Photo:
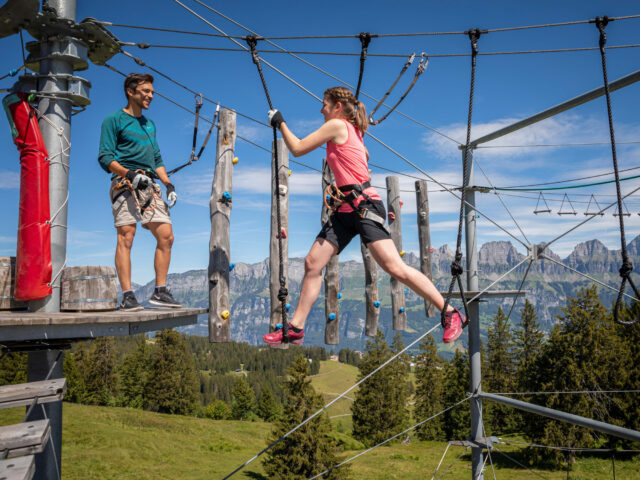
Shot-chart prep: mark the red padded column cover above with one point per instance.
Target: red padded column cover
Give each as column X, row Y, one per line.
column 33, row 256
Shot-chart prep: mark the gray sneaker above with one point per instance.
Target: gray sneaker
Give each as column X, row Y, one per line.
column 129, row 303
column 163, row 298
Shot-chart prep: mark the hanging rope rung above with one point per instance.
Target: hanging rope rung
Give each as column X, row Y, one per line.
column 567, row 212
column 538, row 210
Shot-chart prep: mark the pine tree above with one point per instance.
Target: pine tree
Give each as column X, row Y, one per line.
column 133, row 375
column 268, row 408
column 243, row 402
column 627, row 406
column 218, row 410
column 172, row 383
column 581, row 354
column 401, row 386
column 379, row 407
column 457, row 420
column 98, row 371
column 76, row 390
column 13, row 368
column 429, row 390
column 499, row 375
column 309, row 450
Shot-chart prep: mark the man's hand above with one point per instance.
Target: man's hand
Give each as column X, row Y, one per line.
column 139, row 181
column 275, row 118
column 172, row 196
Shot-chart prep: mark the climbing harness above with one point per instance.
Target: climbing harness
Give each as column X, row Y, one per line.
column 335, row 196
column 365, row 39
column 422, row 66
column 567, row 212
column 283, row 293
column 599, row 208
column 627, row 267
column 125, row 190
column 456, row 265
column 193, row 157
column 538, row 210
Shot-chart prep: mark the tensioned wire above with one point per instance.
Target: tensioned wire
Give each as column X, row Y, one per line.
column 378, row 35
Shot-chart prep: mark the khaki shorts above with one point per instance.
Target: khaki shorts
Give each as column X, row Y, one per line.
column 127, row 212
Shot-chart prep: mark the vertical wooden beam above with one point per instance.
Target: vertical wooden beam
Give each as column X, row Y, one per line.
column 219, row 245
column 398, row 307
column 274, row 256
column 424, row 237
column 331, row 274
column 371, row 291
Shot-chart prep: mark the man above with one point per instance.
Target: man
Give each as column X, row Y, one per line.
column 129, row 150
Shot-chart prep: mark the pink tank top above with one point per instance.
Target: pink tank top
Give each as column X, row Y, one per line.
column 348, row 162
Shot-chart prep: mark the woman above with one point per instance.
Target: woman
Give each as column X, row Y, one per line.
column 345, row 121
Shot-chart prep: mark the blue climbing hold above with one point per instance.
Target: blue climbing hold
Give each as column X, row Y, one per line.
column 231, row 266
column 378, row 283
column 332, row 316
column 278, row 326
column 406, row 291
column 287, row 307
column 401, row 309
column 339, row 295
column 376, row 304
column 226, row 195
column 328, row 197
column 13, row 72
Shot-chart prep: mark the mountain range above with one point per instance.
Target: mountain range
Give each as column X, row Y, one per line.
column 547, row 287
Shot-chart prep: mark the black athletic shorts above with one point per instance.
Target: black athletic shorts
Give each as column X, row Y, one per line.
column 343, row 226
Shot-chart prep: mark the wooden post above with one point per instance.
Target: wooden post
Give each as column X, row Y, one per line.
column 424, row 236
column 274, row 257
column 398, row 307
column 371, row 291
column 219, row 248
column 331, row 274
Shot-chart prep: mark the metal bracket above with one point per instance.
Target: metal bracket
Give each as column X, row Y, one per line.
column 67, row 49
column 77, row 88
column 16, row 15
column 482, row 442
column 535, row 251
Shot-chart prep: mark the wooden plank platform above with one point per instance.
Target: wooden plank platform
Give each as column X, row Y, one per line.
column 22, row 325
column 23, row 394
column 22, row 468
column 25, row 438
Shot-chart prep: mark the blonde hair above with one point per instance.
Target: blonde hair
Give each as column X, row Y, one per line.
column 354, row 111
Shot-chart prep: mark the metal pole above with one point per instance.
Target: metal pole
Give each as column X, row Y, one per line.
column 477, row 459
column 603, row 427
column 49, row 462
column 574, row 102
column 56, row 133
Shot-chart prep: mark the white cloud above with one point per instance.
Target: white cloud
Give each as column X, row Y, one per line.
column 9, row 180
column 252, row 132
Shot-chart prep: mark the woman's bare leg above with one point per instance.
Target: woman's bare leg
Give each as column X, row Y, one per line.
column 317, row 258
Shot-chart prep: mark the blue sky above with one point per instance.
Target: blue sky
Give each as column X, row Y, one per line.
column 508, row 87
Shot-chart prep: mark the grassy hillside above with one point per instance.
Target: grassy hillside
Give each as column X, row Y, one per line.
column 118, row 443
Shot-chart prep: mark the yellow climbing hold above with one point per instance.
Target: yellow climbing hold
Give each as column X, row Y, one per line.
column 225, row 314
column 235, row 160
column 289, row 172
column 402, row 253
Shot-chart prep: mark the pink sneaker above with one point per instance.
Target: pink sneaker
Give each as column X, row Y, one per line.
column 453, row 321
column 275, row 337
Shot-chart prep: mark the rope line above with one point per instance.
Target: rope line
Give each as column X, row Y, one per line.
column 627, row 267
column 572, row 179
column 357, row 384
column 569, row 187
column 574, row 392
column 365, row 39
column 388, row 439
column 585, row 144
column 379, row 35
column 456, row 265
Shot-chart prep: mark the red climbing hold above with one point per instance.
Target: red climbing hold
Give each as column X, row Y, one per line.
column 392, row 216
column 282, row 234
column 431, row 249
column 401, row 203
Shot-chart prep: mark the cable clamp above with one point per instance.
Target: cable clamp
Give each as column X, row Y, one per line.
column 601, row 24
column 252, row 41
column 474, row 35
column 365, row 40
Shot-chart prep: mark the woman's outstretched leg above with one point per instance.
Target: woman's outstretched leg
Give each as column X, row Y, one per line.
column 319, row 255
column 386, row 255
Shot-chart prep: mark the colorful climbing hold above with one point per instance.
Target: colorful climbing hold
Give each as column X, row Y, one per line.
column 289, row 172
column 278, row 326
column 401, row 309
column 225, row 314
column 287, row 307
column 401, row 203
column 226, row 196
column 431, row 249
column 339, row 295
column 231, row 266
column 332, row 316
column 402, row 253
column 406, row 291
column 282, row 234
column 376, row 304
column 235, row 160
column 392, row 216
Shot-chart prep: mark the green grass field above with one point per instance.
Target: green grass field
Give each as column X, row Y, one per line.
column 119, row 443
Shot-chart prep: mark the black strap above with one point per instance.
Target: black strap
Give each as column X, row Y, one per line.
column 365, row 39
column 424, row 61
column 283, row 293
column 456, row 265
column 627, row 267
column 358, row 187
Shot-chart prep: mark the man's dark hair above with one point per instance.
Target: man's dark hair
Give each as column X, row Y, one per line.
column 134, row 79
